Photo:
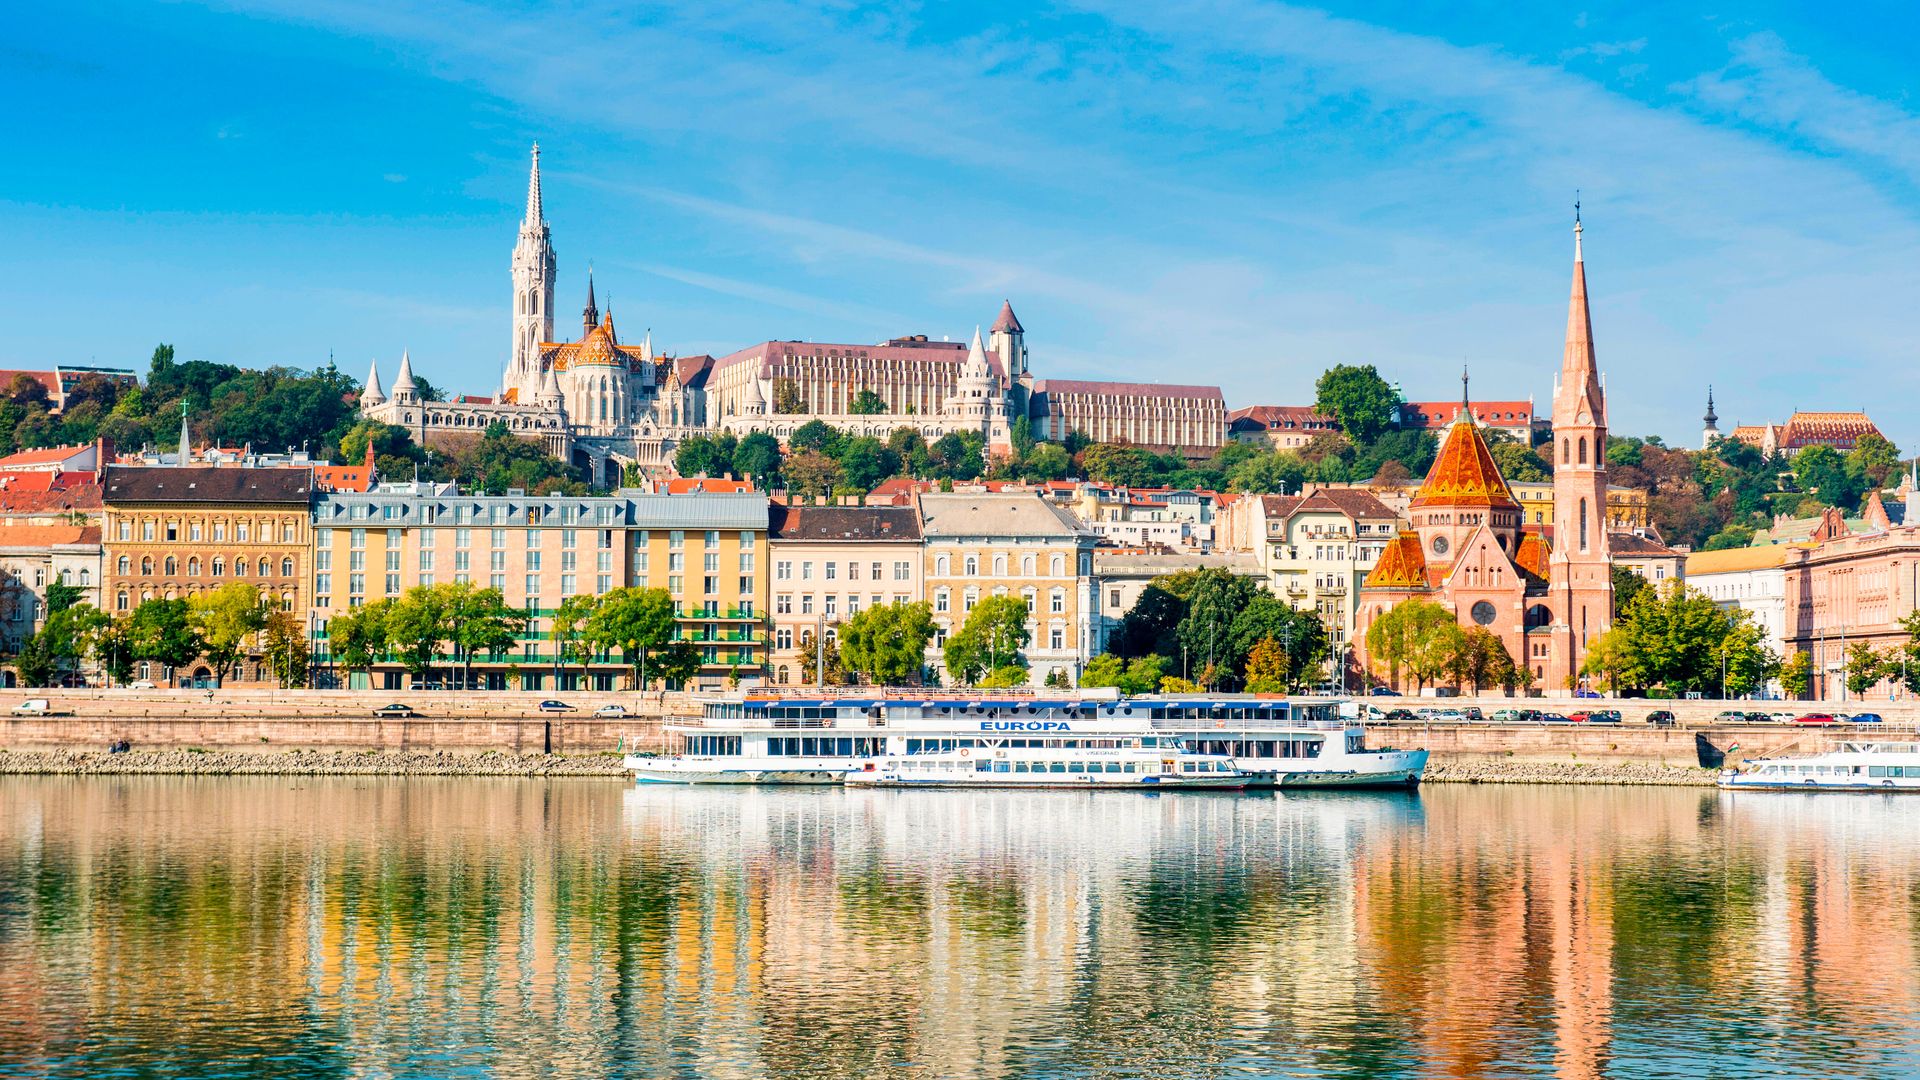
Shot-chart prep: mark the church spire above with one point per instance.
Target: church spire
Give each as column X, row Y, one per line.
column 370, row 394
column 536, row 214
column 186, row 438
column 1579, row 371
column 591, row 316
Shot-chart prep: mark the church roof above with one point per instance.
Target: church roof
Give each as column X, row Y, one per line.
column 1531, row 555
column 1464, row 474
column 599, row 348
column 1840, row 430
column 1279, row 417
column 1402, row 565
column 1007, row 322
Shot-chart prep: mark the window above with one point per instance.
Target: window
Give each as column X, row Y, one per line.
column 830, row 569
column 940, row 600
column 677, row 539
column 711, row 584
column 146, row 530
column 1057, row 602
column 710, row 561
column 783, row 570
column 1000, row 565
column 533, row 562
column 746, row 541
column 1058, row 566
column 828, row 605
column 783, row 604
column 393, row 557
column 146, row 567
column 873, row 571
column 902, row 571
column 569, row 561
column 357, row 539
column 126, row 565
column 1027, row 565
column 569, row 585
column 806, row 603
column 1056, row 638
column 357, row 584
column 239, row 568
column 567, row 539
column 676, row 561
column 193, row 530
column 973, row 566
column 126, row 530
column 533, row 587
column 120, row 602
column 393, row 584
column 1583, row 449
column 746, row 589
column 497, row 538
column 713, row 538
column 941, row 565
column 219, row 530
column 783, row 638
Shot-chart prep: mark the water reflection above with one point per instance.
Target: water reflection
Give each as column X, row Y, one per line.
column 272, row 927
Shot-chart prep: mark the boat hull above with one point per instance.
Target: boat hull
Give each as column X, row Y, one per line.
column 669, row 770
column 1143, row 783
column 1870, row 787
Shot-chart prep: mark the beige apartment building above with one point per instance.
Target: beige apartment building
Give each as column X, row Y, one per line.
column 707, row 549
column 977, row 545
column 830, row 563
column 1316, row 549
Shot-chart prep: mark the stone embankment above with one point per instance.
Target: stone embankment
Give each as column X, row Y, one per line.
column 1632, row 773
column 193, row 762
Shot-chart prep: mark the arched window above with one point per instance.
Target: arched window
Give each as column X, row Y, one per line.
column 942, row 566
column 1566, row 450
column 999, row 566
column 239, row 568
column 146, row 567
column 1583, row 524
column 286, row 567
column 973, row 565
column 219, row 566
column 193, row 566
column 1026, row 565
column 86, row 577
column 126, row 565
column 266, row 566
column 1057, row 566
column 1583, row 449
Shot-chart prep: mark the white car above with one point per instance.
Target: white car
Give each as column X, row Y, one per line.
column 611, row 710
column 142, row 684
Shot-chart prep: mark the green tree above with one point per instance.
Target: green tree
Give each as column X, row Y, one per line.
column 61, row 596
column 1872, row 460
column 1820, row 471
column 1114, row 463
column 957, row 456
column 817, row 436
column 994, row 636
column 1141, row 675
column 677, row 663
column 1267, row 668
column 822, row 659
column 1796, row 675
column 478, row 621
column 865, row 461
column 1277, row 473
column 1004, row 678
column 1047, row 461
column 417, row 626
column 1483, row 661
column 568, row 626
column 706, row 455
column 1864, row 668
column 636, row 621
column 886, row 644
column 161, row 632
column 1416, row 635
column 69, row 634
column 226, row 621
column 34, row 665
column 1734, row 535
column 1627, row 584
column 1359, row 399
column 1519, row 464
column 112, row 648
column 357, row 637
column 758, row 457
column 287, row 652
column 867, row 403
column 1749, row 663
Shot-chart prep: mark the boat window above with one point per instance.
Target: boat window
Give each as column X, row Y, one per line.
column 1057, row 767
column 1876, row 770
column 1895, row 770
column 1113, row 767
column 1076, row 767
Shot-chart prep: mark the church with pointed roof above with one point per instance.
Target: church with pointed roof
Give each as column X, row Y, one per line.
column 1468, row 549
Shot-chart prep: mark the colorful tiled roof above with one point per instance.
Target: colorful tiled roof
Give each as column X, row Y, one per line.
column 1402, row 565
column 1531, row 555
column 1007, row 322
column 1464, row 474
column 1840, row 430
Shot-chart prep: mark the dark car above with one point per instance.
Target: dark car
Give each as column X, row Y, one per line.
column 1816, row 718
column 1586, row 693
column 1866, row 718
column 395, row 710
column 1553, row 718
column 1382, row 691
column 1660, row 718
column 551, row 705
column 1398, row 716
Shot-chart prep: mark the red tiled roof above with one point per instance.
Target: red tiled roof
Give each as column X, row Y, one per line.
column 31, row 501
column 1439, row 414
column 1402, row 565
column 1286, row 417
column 710, row 485
column 46, row 379
column 1354, row 502
column 1007, row 322
column 1464, row 474
column 40, row 536
column 1840, row 430
column 52, row 455
column 1531, row 555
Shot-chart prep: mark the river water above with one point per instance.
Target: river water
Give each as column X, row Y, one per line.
column 301, row 927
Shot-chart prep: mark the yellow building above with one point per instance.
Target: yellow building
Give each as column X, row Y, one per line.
column 978, row 545
column 706, row 549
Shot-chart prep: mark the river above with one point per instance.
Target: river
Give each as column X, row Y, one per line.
column 313, row 927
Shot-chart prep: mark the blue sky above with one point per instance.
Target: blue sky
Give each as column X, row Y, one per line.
column 1222, row 192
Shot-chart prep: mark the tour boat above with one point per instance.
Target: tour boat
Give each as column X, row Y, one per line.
column 1055, row 763
column 813, row 738
column 1856, row 766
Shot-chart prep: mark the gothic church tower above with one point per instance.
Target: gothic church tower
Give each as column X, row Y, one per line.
column 1579, row 569
column 533, row 272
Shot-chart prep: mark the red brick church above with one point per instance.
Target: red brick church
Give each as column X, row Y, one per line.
column 1469, row 551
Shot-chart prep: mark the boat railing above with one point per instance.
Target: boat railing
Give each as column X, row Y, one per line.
column 1245, row 723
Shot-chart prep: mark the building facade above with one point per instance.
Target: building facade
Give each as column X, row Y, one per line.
column 830, row 563
column 33, row 557
column 708, row 551
column 174, row 533
column 1123, row 574
column 978, row 545
column 1315, row 550
column 1279, row 427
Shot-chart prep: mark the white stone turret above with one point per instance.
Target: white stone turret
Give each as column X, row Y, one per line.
column 370, row 394
column 977, row 397
column 405, row 391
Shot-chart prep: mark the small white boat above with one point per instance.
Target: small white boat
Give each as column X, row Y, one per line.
column 1054, row 764
column 1856, row 766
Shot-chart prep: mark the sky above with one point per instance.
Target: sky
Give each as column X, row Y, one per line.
column 1222, row 192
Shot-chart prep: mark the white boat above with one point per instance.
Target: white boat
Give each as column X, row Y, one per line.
column 1856, row 766
column 1141, row 763
column 762, row 738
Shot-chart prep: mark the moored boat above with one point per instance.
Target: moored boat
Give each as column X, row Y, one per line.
column 1856, row 766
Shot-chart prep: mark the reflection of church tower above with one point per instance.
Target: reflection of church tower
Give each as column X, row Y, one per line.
column 533, row 269
column 1579, row 567
column 1712, row 430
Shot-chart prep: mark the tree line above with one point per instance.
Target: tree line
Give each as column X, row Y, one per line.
column 217, row 628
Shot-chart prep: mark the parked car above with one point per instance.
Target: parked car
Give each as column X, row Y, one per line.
column 550, row 705
column 611, row 710
column 1382, row 691
column 33, row 706
column 395, row 710
column 1866, row 718
column 1553, row 718
column 1586, row 693
column 1733, row 716
column 1398, row 716
column 1816, row 718
column 1663, row 718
